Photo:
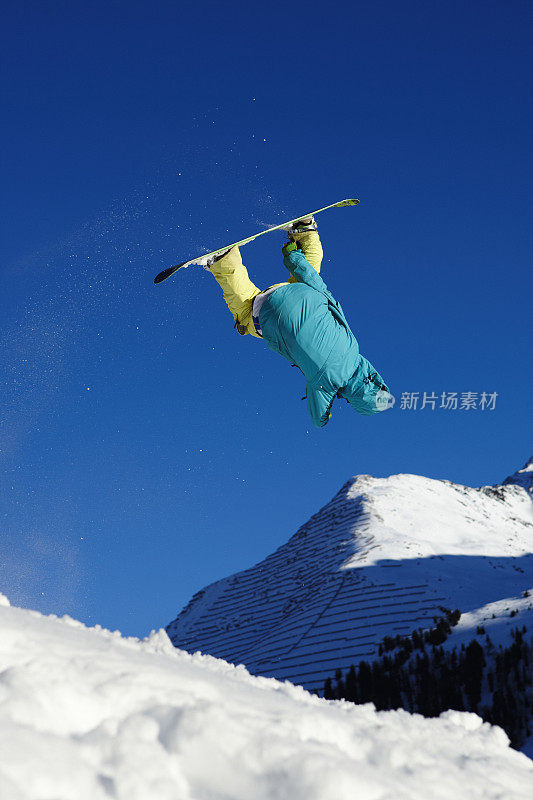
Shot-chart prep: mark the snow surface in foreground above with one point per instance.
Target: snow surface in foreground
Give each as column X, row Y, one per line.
column 88, row 715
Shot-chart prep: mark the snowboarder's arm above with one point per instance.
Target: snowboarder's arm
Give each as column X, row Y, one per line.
column 299, row 266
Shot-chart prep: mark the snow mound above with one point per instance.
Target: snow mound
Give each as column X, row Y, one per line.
column 86, row 714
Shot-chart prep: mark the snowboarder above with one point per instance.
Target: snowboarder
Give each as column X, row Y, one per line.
column 301, row 320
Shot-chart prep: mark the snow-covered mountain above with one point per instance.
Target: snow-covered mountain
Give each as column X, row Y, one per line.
column 88, row 715
column 382, row 558
column 522, row 477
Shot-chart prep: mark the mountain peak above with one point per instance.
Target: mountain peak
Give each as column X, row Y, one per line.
column 382, row 558
column 522, row 477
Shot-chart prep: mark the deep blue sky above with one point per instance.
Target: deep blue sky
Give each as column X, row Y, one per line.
column 145, row 448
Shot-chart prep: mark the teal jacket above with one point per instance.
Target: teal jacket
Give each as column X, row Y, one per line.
column 304, row 323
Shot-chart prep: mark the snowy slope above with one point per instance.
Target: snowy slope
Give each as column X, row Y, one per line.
column 380, row 559
column 88, row 715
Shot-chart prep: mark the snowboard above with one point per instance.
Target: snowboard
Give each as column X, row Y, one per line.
column 166, row 273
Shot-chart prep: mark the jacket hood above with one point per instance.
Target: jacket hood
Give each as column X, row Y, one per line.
column 366, row 391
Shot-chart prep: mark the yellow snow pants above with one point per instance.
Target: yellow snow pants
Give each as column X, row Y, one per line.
column 238, row 289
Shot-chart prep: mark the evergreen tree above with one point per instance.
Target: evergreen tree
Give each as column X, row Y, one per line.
column 364, row 680
column 339, row 685
column 473, row 673
column 350, row 686
column 431, row 681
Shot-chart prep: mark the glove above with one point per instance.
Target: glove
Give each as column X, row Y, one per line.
column 289, row 247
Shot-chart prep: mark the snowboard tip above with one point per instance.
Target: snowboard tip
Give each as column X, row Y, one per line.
column 168, row 272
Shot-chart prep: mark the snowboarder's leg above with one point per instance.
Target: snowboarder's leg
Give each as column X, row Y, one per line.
column 310, row 245
column 237, row 288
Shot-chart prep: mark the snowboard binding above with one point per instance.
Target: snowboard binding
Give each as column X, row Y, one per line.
column 210, row 261
column 301, row 226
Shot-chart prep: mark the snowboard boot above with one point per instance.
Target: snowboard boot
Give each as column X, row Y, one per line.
column 213, row 259
column 301, row 226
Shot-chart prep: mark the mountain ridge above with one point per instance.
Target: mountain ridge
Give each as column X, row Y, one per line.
column 382, row 558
